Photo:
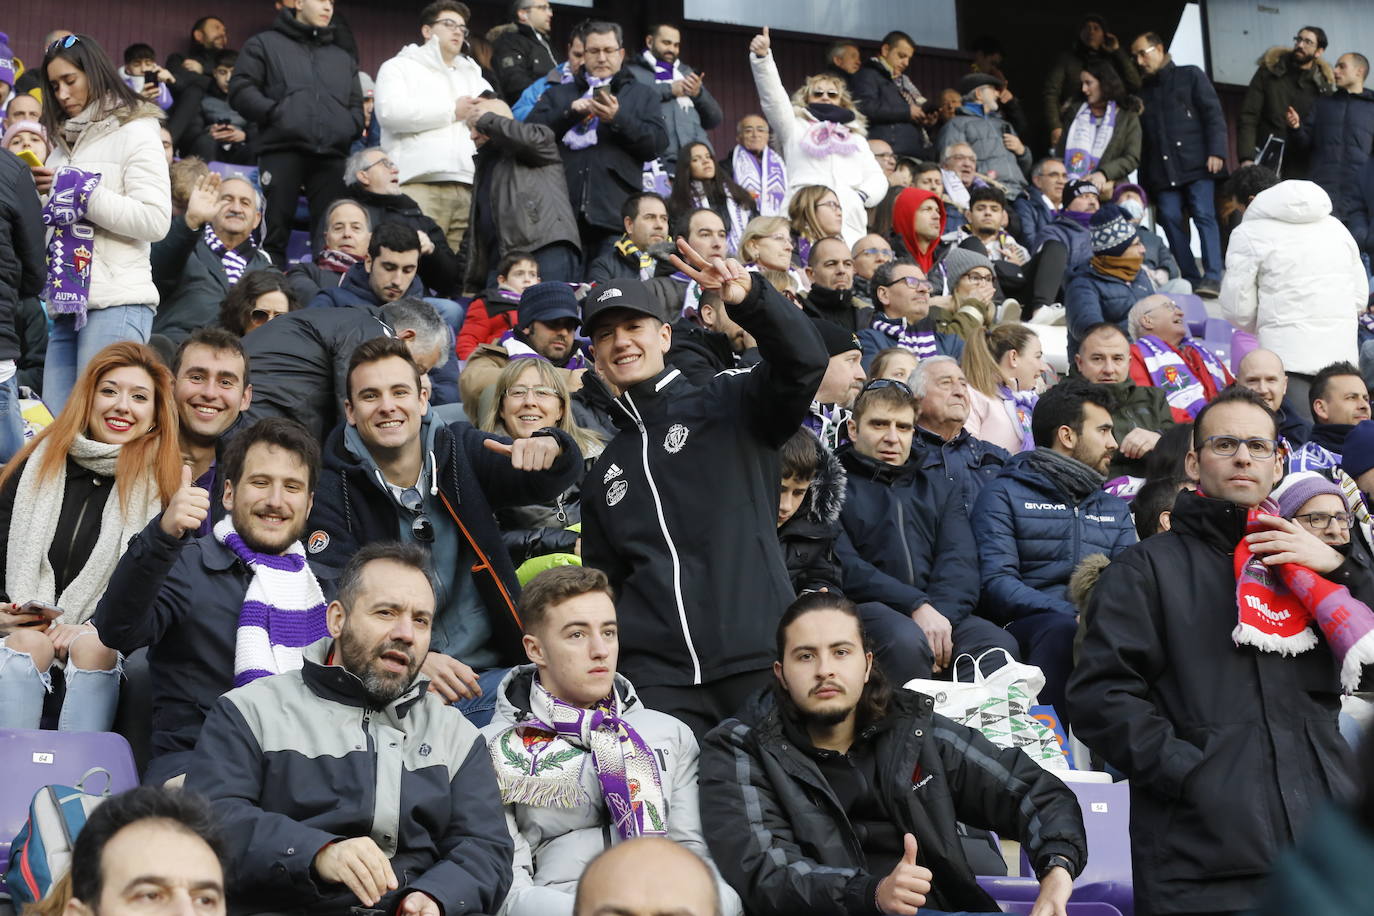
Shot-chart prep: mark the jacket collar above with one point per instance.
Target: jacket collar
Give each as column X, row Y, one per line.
column 644, row 398
column 357, row 282
column 1330, row 436
column 863, row 467
column 293, row 28
column 513, row 695
column 214, row 555
column 331, row 681
column 1216, row 522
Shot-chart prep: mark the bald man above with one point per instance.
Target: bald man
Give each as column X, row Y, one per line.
column 1262, row 372
column 648, row 876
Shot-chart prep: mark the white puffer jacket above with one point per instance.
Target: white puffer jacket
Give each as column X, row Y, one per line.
column 416, row 95
column 856, row 178
column 1294, row 278
column 554, row 845
column 131, row 207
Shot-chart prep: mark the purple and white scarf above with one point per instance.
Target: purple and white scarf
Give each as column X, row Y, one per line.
column 539, row 762
column 1087, row 139
column 518, row 349
column 582, row 135
column 71, row 249
column 824, row 139
column 234, row 264
column 1019, row 406
column 739, row 217
column 667, row 73
column 922, row 343
column 765, row 177
column 283, row 609
column 1170, row 374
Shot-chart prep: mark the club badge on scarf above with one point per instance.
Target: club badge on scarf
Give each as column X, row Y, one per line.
column 72, row 245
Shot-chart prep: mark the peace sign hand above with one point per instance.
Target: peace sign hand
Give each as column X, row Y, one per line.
column 724, row 274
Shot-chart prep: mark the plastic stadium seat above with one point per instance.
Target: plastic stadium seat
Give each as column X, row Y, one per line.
column 230, row 170
column 1242, row 342
column 298, row 247
column 1194, row 311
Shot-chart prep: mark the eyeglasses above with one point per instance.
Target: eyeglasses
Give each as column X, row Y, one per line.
column 1320, row 521
column 382, row 161
column 63, row 43
column 1227, row 446
column 781, row 239
column 453, row 25
column 601, row 52
column 877, row 383
column 880, row 253
column 833, row 204
column 421, row 527
column 978, row 277
column 543, row 392
column 916, row 283
column 1299, row 40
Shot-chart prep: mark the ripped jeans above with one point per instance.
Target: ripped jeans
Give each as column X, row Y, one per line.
column 87, row 706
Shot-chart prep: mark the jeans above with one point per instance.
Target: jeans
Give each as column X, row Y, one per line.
column 88, row 706
column 479, row 709
column 69, row 350
column 11, row 422
column 1201, row 204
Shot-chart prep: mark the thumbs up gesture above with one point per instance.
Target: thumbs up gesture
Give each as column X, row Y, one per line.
column 189, row 506
column 904, row 890
column 761, row 43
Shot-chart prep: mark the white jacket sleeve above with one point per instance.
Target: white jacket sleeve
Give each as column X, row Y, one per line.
column 684, row 815
column 525, row 897
column 144, row 210
column 402, row 108
column 1359, row 281
column 871, row 183
column 1239, row 298
column 777, row 107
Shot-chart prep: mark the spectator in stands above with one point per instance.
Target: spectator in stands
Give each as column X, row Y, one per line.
column 815, row 213
column 424, row 96
column 212, row 389
column 942, row 443
column 522, row 51
column 645, row 219
column 1005, row 369
column 1163, row 692
column 140, row 62
column 565, row 71
column 1338, row 133
column 644, row 876
column 23, row 268
column 108, row 152
column 255, row 300
column 687, row 106
column 300, row 360
column 1139, row 412
column 1071, row 227
column 672, row 291
column 520, row 198
column 390, row 272
column 603, row 167
column 906, row 549
column 970, row 290
column 1183, row 144
column 901, row 317
column 1094, row 43
column 1102, row 128
column 302, row 137
column 676, row 651
column 757, row 167
column 831, row 270
column 1338, row 399
column 1285, row 78
column 843, row 60
column 193, row 78
column 1319, row 506
column 560, row 823
column 710, row 343
column 1159, row 260
column 890, row 100
column 372, row 180
column 1001, row 154
column 704, row 184
column 347, row 235
column 263, row 757
column 23, row 107
column 1043, row 514
column 221, row 132
column 1043, row 199
column 148, row 842
column 832, row 715
column 64, row 535
column 1262, row 372
column 1112, row 282
column 1166, row 356
column 870, row 252
column 822, row 136
column 205, row 254
column 810, row 496
column 844, row 378
column 918, row 219
column 1035, row 280
column 767, row 247
column 546, row 330
column 496, row 311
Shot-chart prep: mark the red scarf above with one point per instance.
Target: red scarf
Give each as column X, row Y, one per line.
column 904, row 220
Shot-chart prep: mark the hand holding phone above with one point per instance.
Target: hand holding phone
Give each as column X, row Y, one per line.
column 30, row 158
column 48, row 611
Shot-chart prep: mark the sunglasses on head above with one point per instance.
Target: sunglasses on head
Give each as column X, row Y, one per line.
column 63, row 43
column 877, row 383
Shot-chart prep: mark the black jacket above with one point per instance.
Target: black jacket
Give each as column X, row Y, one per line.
column 1181, row 126
column 782, row 839
column 808, row 537
column 23, row 257
column 1339, row 135
column 680, row 511
column 1229, row 750
column 600, row 177
column 838, row 306
column 191, row 280
column 182, row 598
column 702, row 354
column 31, row 328
column 520, row 56
column 1278, row 84
column 300, row 363
column 440, row 270
column 887, row 111
column 308, row 279
column 615, row 263
column 906, row 539
column 299, row 89
column 78, row 523
column 965, row 461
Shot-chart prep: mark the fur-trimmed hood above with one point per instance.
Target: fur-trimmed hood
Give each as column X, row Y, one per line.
column 1276, row 61
column 825, row 499
column 1084, row 579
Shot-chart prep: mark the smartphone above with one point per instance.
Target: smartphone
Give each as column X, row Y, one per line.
column 603, row 95
column 223, row 122
column 51, row 612
column 30, row 159
column 149, row 77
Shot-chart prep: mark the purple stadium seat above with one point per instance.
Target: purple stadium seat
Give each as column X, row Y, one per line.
column 31, row 760
column 1194, row 312
column 228, row 169
column 298, row 247
column 1242, row 342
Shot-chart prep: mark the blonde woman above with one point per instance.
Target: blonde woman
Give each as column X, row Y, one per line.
column 766, row 246
column 1005, row 370
column 815, row 213
column 822, row 136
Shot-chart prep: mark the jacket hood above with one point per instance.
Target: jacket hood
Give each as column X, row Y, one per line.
column 294, row 29
column 1291, row 201
column 513, row 695
column 428, row 55
column 904, row 217
column 1278, row 59
column 825, row 500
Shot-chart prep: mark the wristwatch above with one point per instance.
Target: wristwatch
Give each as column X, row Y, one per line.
column 1051, row 862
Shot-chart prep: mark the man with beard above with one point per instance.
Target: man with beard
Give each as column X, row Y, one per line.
column 1140, row 413
column 213, row 609
column 423, row 832
column 687, row 106
column 811, row 807
column 390, row 272
column 546, row 328
column 211, row 388
column 1041, row 516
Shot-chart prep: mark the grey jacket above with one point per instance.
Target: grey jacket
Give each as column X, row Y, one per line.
column 191, row 281
column 984, row 133
column 685, row 123
column 554, row 845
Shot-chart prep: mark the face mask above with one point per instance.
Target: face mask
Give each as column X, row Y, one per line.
column 1134, row 209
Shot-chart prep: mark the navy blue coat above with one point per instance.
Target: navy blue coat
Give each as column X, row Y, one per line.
column 1181, row 126
column 1076, row 237
column 354, row 289
column 1031, row 213
column 965, row 461
column 1031, row 537
column 1339, row 133
column 906, row 539
column 887, row 111
column 1360, row 216
column 1091, row 297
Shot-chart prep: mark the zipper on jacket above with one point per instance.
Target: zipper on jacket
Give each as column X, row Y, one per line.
column 906, row 549
column 76, row 528
column 633, row 411
column 1077, row 540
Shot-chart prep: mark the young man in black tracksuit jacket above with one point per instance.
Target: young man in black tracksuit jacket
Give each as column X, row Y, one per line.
column 680, row 510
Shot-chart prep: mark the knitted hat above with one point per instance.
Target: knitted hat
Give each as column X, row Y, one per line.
column 1357, row 455
column 548, row 302
column 365, row 83
column 23, row 127
column 1301, row 487
column 1075, row 188
column 6, row 61
column 959, row 261
column 838, row 341
column 1112, row 230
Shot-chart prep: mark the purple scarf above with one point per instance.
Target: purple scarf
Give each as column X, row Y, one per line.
column 234, row 264
column 72, row 246
column 516, row 348
column 1019, row 405
column 764, row 177
column 583, row 134
column 1172, row 375
column 922, row 343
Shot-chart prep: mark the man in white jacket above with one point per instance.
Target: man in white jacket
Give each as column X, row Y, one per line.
column 1294, row 279
column 581, row 763
column 424, row 96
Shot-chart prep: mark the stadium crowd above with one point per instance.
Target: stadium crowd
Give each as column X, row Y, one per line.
column 510, row 503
